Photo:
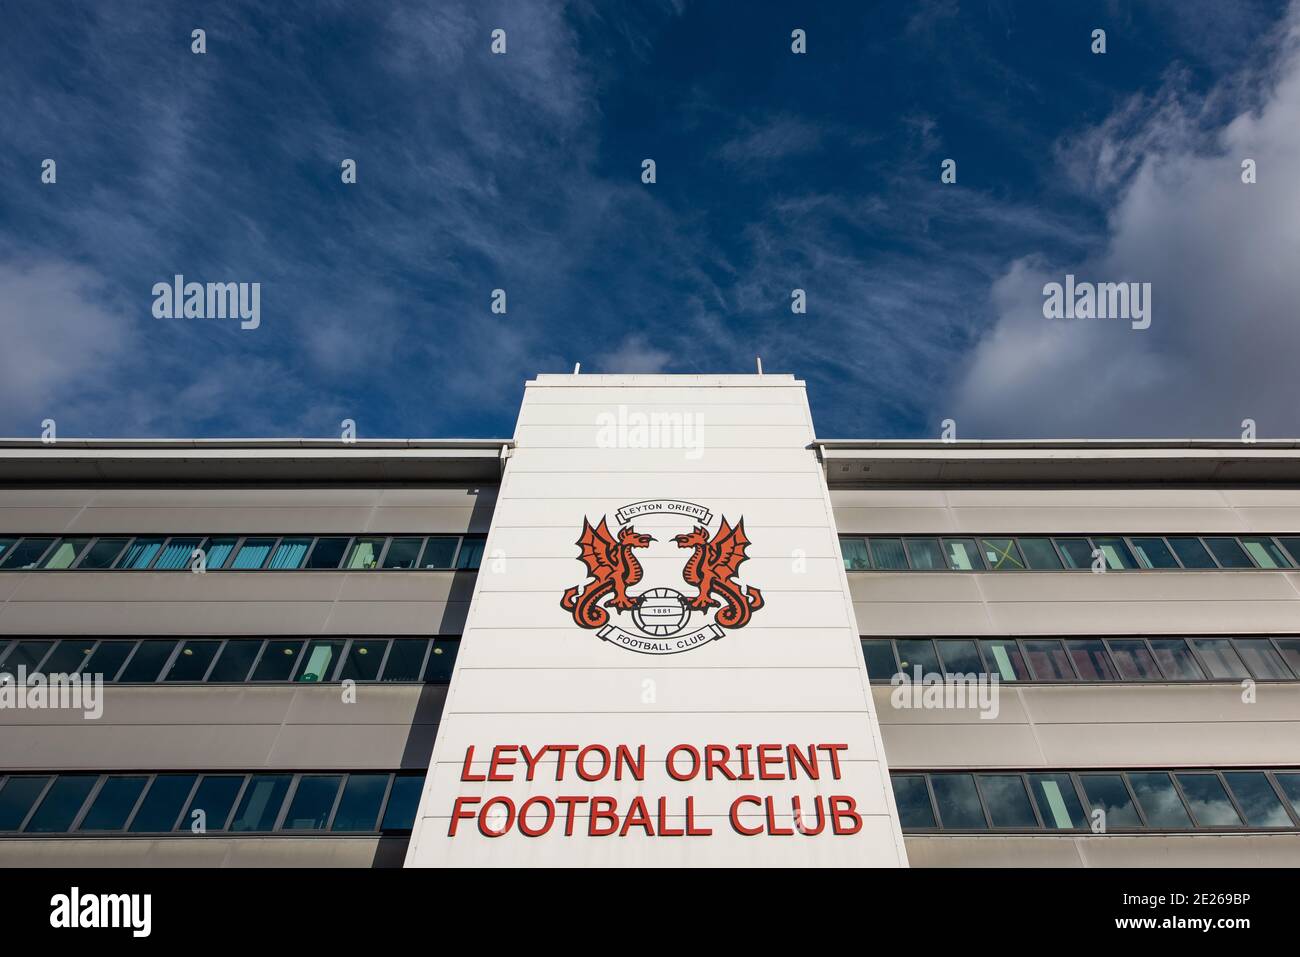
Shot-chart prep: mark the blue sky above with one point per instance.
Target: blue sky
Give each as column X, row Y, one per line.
column 522, row 172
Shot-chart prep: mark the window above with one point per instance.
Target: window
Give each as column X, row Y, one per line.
column 1289, row 784
column 879, row 656
column 914, row 653
column 1115, row 552
column 1292, row 545
column 1077, row 552
column 854, row 550
column 1007, row 800
column 913, row 800
column 1048, row 660
column 1106, row 792
column 107, row 659
column 1219, row 658
column 162, row 803
column 322, row 659
column 403, row 553
column 1153, row 553
column 1003, row 655
column 277, row 661
column 405, row 659
column 17, row 797
column 61, row 803
column 193, row 661
column 363, row 659
column 470, row 555
column 290, row 553
column 218, row 552
column 1090, row 660
column 364, row 553
column 1058, row 802
column 960, row 656
column 113, row 804
column 440, row 552
column 67, row 656
column 1265, row 552
column 313, row 801
column 147, row 662
column 103, row 553
column 65, row 553
column 959, row 802
column 1001, row 554
column 26, row 554
column 1209, row 800
column 1257, row 799
column 176, row 554
column 962, row 554
column 26, row 654
column 925, row 554
column 253, row 553
column 1260, row 657
column 259, row 808
column 235, row 660
column 140, row 553
column 363, row 796
column 1191, row 553
column 1160, row 801
column 888, row 554
column 213, row 801
column 403, row 800
column 442, row 657
column 1228, row 553
column 328, row 552
column 1290, row 648
column 1040, row 554
column 1133, row 660
column 1175, row 660
column 5, row 545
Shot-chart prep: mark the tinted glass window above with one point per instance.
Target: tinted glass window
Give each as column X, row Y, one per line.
column 879, row 657
column 1048, row 660
column 113, row 804
column 1007, row 800
column 1219, row 657
column 1107, row 792
column 887, row 553
column 925, row 554
column 471, row 553
column 277, row 661
column 1208, row 800
column 5, row 545
column 67, row 656
column 16, row 799
column 440, row 552
column 959, row 804
column 1265, row 552
column 26, row 553
column 1260, row 657
column 235, row 660
column 65, row 553
column 959, row 656
column 1057, row 801
column 1115, row 552
column 1175, row 660
column 328, row 552
column 192, row 662
column 359, row 806
column 103, row 553
column 364, row 553
column 107, row 658
column 1090, row 659
column 1133, row 661
column 1003, row 656
column 219, row 551
column 1077, row 552
column 1001, row 554
column 363, row 659
column 1290, row 648
column 163, row 802
column 403, row 801
column 1292, row 545
column 1259, row 802
column 1161, row 803
column 59, row 808
column 405, row 660
column 403, row 553
column 290, row 553
column 147, row 661
column 854, row 550
column 1191, row 552
column 312, row 802
column 28, row 654
column 176, row 554
column 1039, row 553
column 261, row 803
column 917, row 652
column 1153, row 553
column 1229, row 553
column 1289, row 783
column 442, row 658
column 913, row 800
column 215, row 798
column 140, row 553
column 962, row 554
column 253, row 553
column 322, row 658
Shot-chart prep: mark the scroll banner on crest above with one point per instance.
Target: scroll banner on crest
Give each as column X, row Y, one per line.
column 660, row 646
column 663, row 506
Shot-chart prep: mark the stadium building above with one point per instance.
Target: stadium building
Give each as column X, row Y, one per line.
column 664, row 624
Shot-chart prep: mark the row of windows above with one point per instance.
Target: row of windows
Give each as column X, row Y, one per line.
column 147, row 803
column 1152, row 800
column 1069, row 553
column 240, row 552
column 1162, row 658
column 235, row 660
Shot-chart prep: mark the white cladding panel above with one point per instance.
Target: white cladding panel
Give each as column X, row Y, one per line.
column 786, row 690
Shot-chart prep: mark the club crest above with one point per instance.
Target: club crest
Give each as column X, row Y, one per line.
column 663, row 619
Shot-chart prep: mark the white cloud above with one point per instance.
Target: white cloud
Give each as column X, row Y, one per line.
column 1221, row 257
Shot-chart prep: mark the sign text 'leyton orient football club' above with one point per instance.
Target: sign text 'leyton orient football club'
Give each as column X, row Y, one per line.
column 599, row 815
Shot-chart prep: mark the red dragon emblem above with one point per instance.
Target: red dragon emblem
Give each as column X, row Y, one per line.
column 712, row 569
